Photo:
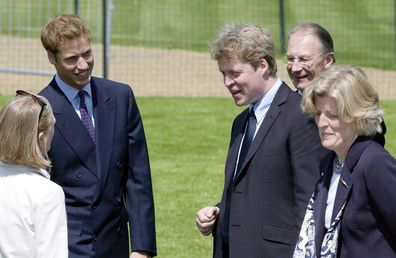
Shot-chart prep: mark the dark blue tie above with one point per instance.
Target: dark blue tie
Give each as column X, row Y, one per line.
column 249, row 135
column 85, row 118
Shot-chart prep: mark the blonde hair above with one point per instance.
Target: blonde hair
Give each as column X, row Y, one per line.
column 61, row 29
column 356, row 99
column 246, row 42
column 20, row 125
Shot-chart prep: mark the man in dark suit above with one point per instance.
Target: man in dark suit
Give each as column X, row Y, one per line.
column 267, row 183
column 99, row 153
column 310, row 50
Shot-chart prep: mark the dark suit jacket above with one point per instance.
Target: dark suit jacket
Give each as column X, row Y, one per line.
column 367, row 184
column 108, row 184
column 276, row 180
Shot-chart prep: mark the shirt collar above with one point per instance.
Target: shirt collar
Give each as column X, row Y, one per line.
column 261, row 107
column 71, row 92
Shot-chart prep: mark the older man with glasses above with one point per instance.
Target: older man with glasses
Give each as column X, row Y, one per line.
column 310, row 50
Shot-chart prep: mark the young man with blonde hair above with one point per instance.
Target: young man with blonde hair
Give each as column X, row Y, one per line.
column 99, row 151
column 273, row 157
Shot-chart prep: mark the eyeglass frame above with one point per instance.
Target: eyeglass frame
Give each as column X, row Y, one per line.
column 302, row 61
column 35, row 98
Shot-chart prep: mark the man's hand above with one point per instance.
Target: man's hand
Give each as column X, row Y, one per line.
column 206, row 218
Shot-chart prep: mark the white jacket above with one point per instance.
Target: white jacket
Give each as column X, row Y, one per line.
column 32, row 214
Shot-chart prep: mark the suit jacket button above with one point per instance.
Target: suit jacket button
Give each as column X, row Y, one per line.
column 119, row 165
column 118, row 199
column 78, row 174
column 94, row 237
column 94, row 206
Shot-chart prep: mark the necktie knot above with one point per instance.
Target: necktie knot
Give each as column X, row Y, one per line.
column 251, row 113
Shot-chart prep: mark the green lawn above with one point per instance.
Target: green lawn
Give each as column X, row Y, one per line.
column 363, row 30
column 188, row 141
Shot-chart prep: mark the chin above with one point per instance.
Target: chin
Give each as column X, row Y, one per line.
column 241, row 102
column 302, row 86
column 328, row 145
column 238, row 101
column 83, row 83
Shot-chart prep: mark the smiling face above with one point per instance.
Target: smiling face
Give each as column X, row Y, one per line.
column 335, row 134
column 246, row 85
column 74, row 62
column 305, row 58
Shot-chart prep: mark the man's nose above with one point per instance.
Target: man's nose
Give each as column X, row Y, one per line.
column 82, row 64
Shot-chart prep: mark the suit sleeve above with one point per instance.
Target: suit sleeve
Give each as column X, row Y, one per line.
column 380, row 178
column 139, row 195
column 306, row 152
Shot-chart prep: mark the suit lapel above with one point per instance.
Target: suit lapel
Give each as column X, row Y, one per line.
column 343, row 190
column 104, row 109
column 236, row 140
column 270, row 117
column 72, row 129
column 346, row 178
column 320, row 203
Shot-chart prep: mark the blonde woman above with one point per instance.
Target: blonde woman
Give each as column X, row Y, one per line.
column 352, row 211
column 33, row 216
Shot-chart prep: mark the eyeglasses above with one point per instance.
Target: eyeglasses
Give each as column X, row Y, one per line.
column 302, row 61
column 35, row 98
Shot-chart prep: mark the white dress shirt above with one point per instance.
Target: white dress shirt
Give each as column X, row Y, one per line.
column 32, row 216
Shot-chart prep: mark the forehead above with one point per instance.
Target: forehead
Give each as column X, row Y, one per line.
column 74, row 45
column 234, row 63
column 303, row 44
column 325, row 103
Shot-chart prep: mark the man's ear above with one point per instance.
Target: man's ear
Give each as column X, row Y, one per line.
column 51, row 57
column 263, row 65
column 329, row 60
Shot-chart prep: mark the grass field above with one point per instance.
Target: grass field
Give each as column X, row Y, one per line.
column 363, row 30
column 188, row 141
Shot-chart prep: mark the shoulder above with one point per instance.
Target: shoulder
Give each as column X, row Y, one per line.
column 42, row 185
column 112, row 88
column 106, row 83
column 375, row 163
column 287, row 94
column 29, row 182
column 241, row 117
column 374, row 155
column 288, row 101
